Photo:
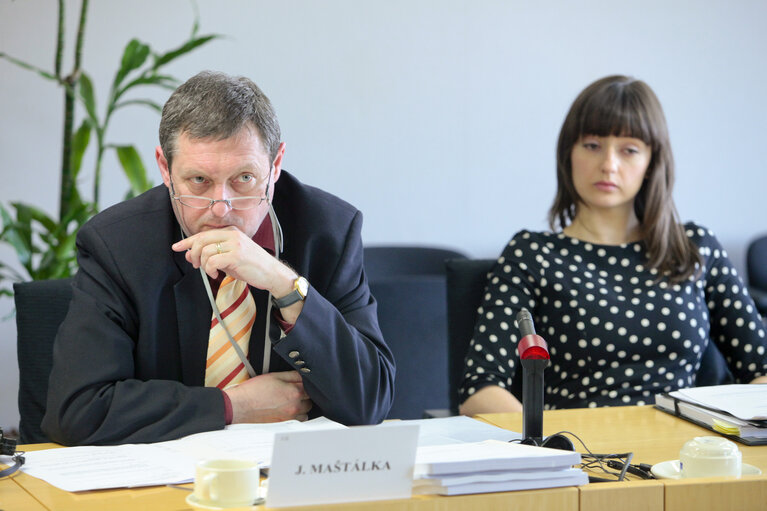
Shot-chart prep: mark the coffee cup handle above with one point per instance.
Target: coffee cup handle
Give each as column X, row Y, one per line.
column 209, row 490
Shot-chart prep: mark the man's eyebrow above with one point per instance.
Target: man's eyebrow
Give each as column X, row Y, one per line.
column 248, row 167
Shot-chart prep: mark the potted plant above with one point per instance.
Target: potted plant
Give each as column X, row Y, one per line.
column 45, row 245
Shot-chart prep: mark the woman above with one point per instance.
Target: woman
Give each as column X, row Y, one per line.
column 626, row 296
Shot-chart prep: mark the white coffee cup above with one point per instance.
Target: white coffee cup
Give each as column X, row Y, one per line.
column 226, row 483
column 710, row 456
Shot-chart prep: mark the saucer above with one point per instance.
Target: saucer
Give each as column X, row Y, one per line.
column 191, row 499
column 670, row 470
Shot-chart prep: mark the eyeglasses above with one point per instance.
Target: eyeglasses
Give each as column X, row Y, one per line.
column 235, row 203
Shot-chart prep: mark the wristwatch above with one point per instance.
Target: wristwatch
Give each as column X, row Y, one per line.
column 300, row 288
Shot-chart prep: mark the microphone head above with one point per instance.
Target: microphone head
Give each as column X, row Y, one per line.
column 531, row 346
column 525, row 323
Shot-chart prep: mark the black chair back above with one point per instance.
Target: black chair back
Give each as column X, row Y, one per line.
column 409, row 285
column 384, row 261
column 466, row 281
column 41, row 306
column 756, row 263
column 413, row 318
column 756, row 269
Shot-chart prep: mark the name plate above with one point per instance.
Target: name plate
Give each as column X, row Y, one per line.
column 348, row 465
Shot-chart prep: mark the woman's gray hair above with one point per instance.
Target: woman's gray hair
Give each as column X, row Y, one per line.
column 212, row 104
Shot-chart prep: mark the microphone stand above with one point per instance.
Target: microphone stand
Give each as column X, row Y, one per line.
column 534, row 356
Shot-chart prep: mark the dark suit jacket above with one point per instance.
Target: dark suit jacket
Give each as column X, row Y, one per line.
column 129, row 359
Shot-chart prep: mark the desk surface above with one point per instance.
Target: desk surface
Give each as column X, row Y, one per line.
column 652, row 435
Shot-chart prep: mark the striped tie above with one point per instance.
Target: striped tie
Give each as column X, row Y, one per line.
column 238, row 310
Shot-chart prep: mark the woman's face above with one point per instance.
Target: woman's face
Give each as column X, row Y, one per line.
column 608, row 171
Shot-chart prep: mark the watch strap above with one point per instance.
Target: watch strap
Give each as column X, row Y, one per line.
column 291, row 298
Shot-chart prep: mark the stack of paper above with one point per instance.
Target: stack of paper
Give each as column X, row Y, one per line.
column 736, row 410
column 492, row 466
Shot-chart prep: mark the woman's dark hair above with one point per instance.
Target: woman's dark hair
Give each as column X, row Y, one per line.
column 623, row 106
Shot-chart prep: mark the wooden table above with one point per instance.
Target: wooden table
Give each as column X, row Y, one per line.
column 161, row 498
column 651, row 435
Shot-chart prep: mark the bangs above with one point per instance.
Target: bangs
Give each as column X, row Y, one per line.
column 620, row 112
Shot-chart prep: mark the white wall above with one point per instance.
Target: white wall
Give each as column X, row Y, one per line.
column 438, row 118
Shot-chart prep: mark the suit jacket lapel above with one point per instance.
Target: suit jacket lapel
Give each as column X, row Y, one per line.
column 193, row 313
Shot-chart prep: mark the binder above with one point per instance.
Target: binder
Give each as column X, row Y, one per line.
column 714, row 420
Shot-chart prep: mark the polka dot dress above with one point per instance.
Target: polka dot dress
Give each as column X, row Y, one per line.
column 616, row 333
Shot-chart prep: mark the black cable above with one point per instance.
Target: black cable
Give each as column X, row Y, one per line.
column 18, row 461
column 607, row 463
column 615, row 461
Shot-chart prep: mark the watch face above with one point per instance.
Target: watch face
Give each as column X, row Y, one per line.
column 302, row 285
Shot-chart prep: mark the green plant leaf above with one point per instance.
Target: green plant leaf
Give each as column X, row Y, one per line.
column 134, row 169
column 80, row 141
column 30, row 67
column 29, row 213
column 196, row 24
column 8, row 273
column 88, row 98
column 24, row 217
column 134, row 56
column 15, row 234
column 146, row 102
column 161, row 60
column 165, row 81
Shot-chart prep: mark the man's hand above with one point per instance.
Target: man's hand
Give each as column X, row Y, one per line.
column 231, row 251
column 271, row 397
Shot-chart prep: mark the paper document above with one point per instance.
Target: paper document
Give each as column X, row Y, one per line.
column 456, row 430
column 497, row 476
column 576, row 478
column 130, row 465
column 744, row 401
column 490, row 455
column 493, row 466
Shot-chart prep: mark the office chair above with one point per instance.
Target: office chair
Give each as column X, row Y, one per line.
column 388, row 260
column 409, row 285
column 466, row 281
column 41, row 306
column 756, row 269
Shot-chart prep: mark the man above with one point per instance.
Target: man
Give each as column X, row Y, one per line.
column 143, row 355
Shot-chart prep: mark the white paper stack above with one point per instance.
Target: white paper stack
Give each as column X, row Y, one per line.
column 493, row 466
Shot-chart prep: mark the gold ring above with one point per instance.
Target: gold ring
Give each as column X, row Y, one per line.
column 218, row 247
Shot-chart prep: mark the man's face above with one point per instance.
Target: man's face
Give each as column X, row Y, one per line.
column 238, row 166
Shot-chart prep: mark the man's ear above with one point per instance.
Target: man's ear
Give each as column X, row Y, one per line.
column 277, row 163
column 162, row 163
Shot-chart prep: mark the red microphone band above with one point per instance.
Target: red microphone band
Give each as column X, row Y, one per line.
column 533, row 347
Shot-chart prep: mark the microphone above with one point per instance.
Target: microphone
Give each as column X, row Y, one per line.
column 534, row 355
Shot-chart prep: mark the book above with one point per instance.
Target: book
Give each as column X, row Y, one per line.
column 713, row 407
